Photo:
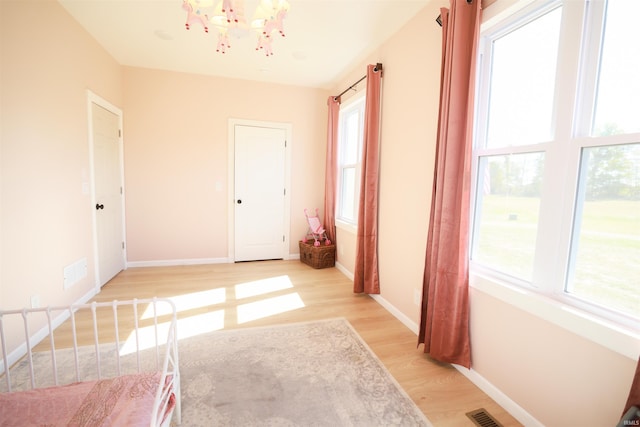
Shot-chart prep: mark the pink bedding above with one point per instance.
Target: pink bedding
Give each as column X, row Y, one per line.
column 122, row 401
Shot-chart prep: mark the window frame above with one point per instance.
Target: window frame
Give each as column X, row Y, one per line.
column 573, row 114
column 355, row 103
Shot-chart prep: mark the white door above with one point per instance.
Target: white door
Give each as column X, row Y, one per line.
column 108, row 193
column 259, row 199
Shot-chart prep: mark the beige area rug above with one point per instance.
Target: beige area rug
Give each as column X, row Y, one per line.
column 304, row 374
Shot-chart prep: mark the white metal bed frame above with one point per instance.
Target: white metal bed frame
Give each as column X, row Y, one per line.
column 169, row 366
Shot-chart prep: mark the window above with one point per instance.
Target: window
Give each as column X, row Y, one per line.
column 556, row 154
column 350, row 136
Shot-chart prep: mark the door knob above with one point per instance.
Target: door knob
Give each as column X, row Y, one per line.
column 98, row 206
column 239, row 201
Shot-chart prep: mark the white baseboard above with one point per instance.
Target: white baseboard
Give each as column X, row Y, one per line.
column 386, row 304
column 86, row 297
column 344, row 271
column 478, row 380
column 42, row 333
column 501, row 399
column 174, row 262
column 413, row 326
column 194, row 261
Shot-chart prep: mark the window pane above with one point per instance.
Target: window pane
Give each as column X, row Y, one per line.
column 606, row 252
column 522, row 83
column 348, row 202
column 350, row 149
column 618, row 92
column 507, row 208
column 351, row 137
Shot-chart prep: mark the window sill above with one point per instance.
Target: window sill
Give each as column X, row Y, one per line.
column 347, row 226
column 615, row 337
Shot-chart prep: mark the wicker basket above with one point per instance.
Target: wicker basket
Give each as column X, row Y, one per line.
column 322, row 256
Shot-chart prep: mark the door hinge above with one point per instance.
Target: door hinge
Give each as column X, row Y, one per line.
column 122, row 245
column 283, row 238
column 285, row 192
column 285, row 143
column 119, row 133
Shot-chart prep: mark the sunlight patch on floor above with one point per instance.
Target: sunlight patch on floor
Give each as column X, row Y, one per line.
column 200, row 324
column 187, row 302
column 269, row 307
column 192, row 325
column 187, row 327
column 263, row 286
column 145, row 338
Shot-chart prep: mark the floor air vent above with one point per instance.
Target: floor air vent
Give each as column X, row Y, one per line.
column 481, row 418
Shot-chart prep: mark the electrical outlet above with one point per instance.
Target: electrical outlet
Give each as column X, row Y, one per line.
column 416, row 297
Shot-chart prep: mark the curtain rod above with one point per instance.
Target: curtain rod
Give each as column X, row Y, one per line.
column 378, row 67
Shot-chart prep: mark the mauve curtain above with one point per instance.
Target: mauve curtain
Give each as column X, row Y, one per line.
column 444, row 323
column 366, row 269
column 331, row 166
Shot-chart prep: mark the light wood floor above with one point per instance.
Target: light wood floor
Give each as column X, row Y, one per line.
column 443, row 394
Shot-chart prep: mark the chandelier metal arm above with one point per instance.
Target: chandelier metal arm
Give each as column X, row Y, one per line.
column 228, row 15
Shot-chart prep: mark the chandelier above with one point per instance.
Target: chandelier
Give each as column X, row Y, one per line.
column 227, row 17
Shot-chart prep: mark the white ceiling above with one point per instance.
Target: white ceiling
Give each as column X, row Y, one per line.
column 324, row 38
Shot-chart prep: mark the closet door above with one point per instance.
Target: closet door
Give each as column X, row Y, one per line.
column 259, row 193
column 109, row 210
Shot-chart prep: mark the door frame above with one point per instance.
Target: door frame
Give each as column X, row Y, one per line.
column 287, row 127
column 92, row 98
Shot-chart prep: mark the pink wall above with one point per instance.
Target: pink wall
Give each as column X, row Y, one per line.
column 557, row 376
column 543, row 372
column 410, row 93
column 48, row 62
column 176, row 170
column 175, row 136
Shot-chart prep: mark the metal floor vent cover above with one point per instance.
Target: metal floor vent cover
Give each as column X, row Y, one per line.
column 481, row 418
